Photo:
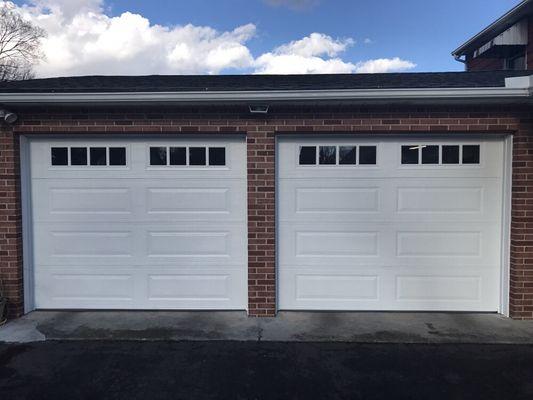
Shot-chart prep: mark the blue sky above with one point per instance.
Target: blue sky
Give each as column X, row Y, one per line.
column 416, row 31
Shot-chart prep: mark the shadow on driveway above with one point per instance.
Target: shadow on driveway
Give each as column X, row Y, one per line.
column 264, row 370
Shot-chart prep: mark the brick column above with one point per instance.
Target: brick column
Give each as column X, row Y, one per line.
column 10, row 223
column 261, row 224
column 521, row 273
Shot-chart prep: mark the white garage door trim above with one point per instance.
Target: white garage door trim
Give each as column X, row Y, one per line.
column 503, row 292
column 27, row 224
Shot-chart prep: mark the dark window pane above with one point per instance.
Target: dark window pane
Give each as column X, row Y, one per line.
column 117, row 156
column 430, row 155
column 347, row 155
column 307, row 155
column 410, row 154
column 327, row 155
column 98, row 156
column 217, row 156
column 78, row 156
column 450, row 154
column 59, row 156
column 197, row 156
column 367, row 155
column 471, row 154
column 178, row 156
column 158, row 156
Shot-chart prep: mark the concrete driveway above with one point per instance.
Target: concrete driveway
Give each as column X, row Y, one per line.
column 356, row 327
column 102, row 370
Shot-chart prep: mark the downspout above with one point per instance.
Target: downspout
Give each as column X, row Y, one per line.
column 459, row 58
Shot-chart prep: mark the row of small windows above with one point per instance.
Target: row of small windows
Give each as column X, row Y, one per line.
column 309, row 155
column 440, row 154
column 116, row 156
column 94, row 156
column 193, row 156
column 337, row 155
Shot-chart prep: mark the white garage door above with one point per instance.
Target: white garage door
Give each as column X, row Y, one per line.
column 139, row 223
column 392, row 224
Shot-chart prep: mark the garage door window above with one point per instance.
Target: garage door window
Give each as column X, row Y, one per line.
column 344, row 155
column 445, row 154
column 187, row 156
column 88, row 156
column 98, row 156
column 347, row 155
column 327, row 155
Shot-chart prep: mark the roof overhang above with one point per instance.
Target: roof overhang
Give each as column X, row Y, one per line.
column 461, row 95
column 521, row 11
column 517, row 89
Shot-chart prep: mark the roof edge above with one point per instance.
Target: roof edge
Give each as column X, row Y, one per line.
column 497, row 26
column 516, row 88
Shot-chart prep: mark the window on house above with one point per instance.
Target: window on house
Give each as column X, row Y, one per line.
column 92, row 156
column 450, row 154
column 367, row 155
column 98, row 155
column 197, row 156
column 78, row 156
column 410, row 154
column 430, row 155
column 307, row 155
column 178, row 156
column 440, row 154
column 59, row 155
column 327, row 155
column 217, row 156
column 117, row 156
column 187, row 156
column 347, row 155
column 471, row 154
column 158, row 156
column 337, row 155
column 516, row 63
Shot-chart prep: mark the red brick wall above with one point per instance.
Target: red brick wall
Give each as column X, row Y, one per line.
column 485, row 64
column 10, row 221
column 261, row 132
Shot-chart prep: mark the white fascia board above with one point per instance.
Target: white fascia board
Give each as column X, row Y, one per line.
column 519, row 82
column 268, row 95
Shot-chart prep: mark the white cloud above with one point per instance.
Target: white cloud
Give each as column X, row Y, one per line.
column 293, row 64
column 83, row 40
column 318, row 54
column 384, row 65
column 304, row 56
column 297, row 5
column 316, row 44
column 87, row 41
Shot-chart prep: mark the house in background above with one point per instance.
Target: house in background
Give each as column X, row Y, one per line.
column 505, row 44
column 401, row 192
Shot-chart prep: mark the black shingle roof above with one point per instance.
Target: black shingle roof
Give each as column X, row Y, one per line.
column 183, row 83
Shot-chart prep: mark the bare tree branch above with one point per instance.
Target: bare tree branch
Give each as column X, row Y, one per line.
column 20, row 45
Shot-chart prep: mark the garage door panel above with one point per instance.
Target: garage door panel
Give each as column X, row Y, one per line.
column 370, row 288
column 200, row 244
column 139, row 236
column 392, row 236
column 385, row 244
column 142, row 288
column 66, row 287
column 131, row 200
column 391, row 200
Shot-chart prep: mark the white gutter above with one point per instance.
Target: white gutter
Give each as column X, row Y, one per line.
column 516, row 88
